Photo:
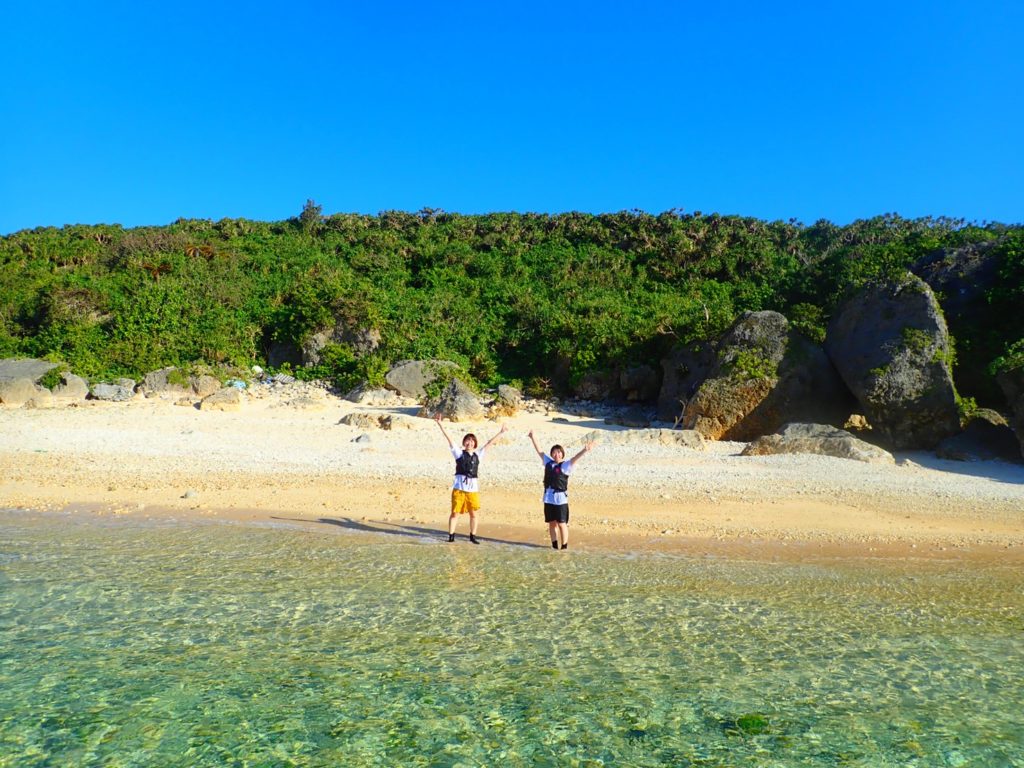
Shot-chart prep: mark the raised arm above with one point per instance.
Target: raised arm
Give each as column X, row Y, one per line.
column 437, row 418
column 535, row 446
column 503, row 430
column 587, row 448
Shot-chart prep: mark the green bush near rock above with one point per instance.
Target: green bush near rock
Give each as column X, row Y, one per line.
column 545, row 299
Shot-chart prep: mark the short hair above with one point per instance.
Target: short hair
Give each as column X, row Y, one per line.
column 556, row 448
column 470, row 435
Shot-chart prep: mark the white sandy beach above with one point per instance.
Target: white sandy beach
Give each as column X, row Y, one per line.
column 287, row 457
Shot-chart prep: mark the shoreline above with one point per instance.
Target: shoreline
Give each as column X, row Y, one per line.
column 149, row 458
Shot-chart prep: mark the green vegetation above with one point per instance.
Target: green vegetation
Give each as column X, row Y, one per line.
column 545, row 299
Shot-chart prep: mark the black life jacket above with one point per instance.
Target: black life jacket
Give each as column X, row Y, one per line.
column 467, row 464
column 554, row 478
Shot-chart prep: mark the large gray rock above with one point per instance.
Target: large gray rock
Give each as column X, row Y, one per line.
column 683, row 371
column 891, row 347
column 362, row 341
column 986, row 436
column 367, row 395
column 766, row 374
column 507, row 402
column 24, row 368
column 118, row 392
column 410, row 378
column 71, row 387
column 16, row 392
column 1012, row 383
column 819, row 439
column 456, row 403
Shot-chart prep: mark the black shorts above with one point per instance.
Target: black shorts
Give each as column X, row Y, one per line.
column 556, row 513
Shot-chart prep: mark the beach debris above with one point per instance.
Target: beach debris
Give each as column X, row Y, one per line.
column 191, row 493
column 236, row 383
column 821, row 439
column 364, row 438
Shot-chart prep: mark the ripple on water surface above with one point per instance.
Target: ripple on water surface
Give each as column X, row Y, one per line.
column 193, row 645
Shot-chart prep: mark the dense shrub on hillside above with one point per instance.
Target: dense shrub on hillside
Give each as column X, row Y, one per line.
column 507, row 296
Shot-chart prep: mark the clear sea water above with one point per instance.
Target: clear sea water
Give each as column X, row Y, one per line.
column 134, row 643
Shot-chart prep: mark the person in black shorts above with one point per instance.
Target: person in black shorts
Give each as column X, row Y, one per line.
column 556, row 487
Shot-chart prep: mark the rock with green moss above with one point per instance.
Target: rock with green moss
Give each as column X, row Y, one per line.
column 766, row 374
column 413, row 378
column 456, row 403
column 1012, row 382
column 891, row 346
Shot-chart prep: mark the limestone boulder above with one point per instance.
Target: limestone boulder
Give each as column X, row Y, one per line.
column 765, row 375
column 821, row 439
column 683, row 371
column 225, row 399
column 367, row 395
column 1012, row 384
column 985, row 437
column 507, row 402
column 891, row 347
column 359, row 420
column 120, row 391
column 24, row 368
column 456, row 403
column 71, row 388
column 410, row 378
column 17, row 392
column 204, row 385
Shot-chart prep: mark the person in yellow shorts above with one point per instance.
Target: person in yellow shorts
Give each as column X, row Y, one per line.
column 465, row 490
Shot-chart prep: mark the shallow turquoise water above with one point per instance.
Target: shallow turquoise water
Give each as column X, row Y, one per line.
column 137, row 644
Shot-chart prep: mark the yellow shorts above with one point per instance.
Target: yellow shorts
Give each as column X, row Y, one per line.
column 464, row 501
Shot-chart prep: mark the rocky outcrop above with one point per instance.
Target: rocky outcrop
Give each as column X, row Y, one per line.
column 819, row 439
column 71, row 387
column 170, row 381
column 640, row 383
column 891, row 347
column 17, row 392
column 635, row 417
column 683, row 371
column 766, row 374
column 506, row 403
column 362, row 341
column 456, row 403
column 12, row 368
column 410, row 378
column 986, row 436
column 226, row 399
column 596, row 386
column 366, row 395
column 120, row 391
column 1012, row 383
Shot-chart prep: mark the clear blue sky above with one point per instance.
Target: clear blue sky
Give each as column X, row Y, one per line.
column 141, row 112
